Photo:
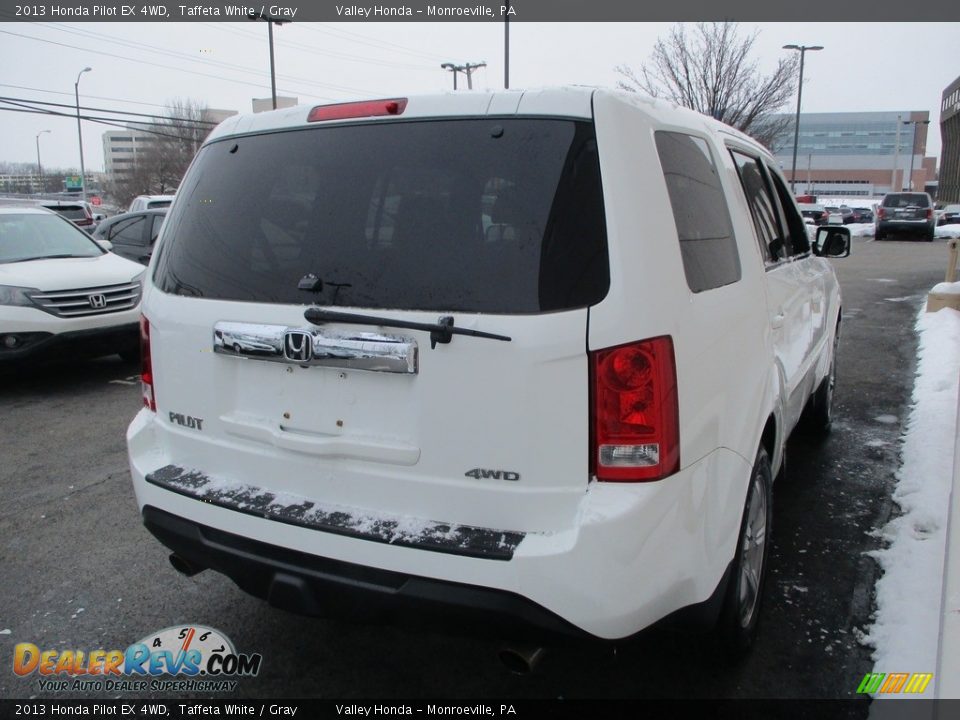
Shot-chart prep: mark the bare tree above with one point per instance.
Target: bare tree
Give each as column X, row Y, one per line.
column 708, row 68
column 172, row 141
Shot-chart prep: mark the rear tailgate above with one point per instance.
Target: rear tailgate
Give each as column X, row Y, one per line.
column 494, row 223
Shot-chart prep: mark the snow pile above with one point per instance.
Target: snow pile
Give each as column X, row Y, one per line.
column 906, row 626
column 946, row 288
column 861, row 229
column 948, row 231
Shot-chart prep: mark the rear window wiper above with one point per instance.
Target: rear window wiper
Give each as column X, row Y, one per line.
column 440, row 332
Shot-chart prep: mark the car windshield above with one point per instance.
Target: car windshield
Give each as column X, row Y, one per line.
column 154, row 204
column 32, row 236
column 500, row 215
column 903, row 200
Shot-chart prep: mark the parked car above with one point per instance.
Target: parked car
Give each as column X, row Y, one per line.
column 862, row 215
column 564, row 405
column 75, row 211
column 906, row 212
column 817, row 213
column 133, row 235
column 836, row 216
column 150, row 202
column 61, row 293
column 950, row 215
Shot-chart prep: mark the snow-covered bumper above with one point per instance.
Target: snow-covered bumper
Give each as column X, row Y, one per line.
column 635, row 554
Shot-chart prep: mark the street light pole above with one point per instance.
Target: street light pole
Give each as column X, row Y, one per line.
column 271, row 21
column 83, row 174
column 796, row 125
column 39, row 166
column 913, row 144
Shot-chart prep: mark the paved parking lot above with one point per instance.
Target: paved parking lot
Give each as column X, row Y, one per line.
column 80, row 572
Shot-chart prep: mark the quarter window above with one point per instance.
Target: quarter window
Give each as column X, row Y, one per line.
column 128, row 232
column 707, row 244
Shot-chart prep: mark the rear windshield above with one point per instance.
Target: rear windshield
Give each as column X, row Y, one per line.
column 70, row 212
column 902, row 200
column 154, row 204
column 482, row 215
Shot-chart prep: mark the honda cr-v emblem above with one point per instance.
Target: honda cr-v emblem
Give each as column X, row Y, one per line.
column 297, row 346
column 97, row 301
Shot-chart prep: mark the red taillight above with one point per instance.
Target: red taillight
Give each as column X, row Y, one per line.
column 929, row 213
column 881, row 213
column 85, row 222
column 369, row 108
column 635, row 426
column 146, row 366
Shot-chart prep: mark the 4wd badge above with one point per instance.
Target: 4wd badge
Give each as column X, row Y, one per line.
column 484, row 473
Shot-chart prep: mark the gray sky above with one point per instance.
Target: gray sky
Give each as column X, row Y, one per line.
column 865, row 66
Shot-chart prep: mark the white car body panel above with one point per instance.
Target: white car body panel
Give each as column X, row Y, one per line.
column 610, row 558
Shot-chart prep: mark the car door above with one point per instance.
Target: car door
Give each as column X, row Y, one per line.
column 788, row 298
column 130, row 238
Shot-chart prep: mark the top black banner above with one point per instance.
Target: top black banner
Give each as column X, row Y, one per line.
column 467, row 11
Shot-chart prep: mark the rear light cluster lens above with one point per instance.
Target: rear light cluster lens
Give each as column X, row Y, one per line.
column 346, row 111
column 881, row 212
column 635, row 424
column 929, row 213
column 146, row 366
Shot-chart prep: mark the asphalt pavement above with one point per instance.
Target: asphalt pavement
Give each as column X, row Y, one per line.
column 80, row 572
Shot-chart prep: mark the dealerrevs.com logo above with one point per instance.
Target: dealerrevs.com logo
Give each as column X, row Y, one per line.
column 201, row 659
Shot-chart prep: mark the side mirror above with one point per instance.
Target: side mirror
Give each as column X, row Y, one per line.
column 832, row 241
column 105, row 244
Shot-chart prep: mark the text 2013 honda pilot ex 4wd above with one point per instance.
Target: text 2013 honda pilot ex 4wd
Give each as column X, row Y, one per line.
column 530, row 353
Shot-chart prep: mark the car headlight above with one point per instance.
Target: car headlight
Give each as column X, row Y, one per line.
column 10, row 295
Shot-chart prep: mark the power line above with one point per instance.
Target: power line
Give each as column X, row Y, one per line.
column 113, row 112
column 304, row 47
column 19, row 107
column 360, row 39
column 165, row 67
column 185, row 57
column 95, row 97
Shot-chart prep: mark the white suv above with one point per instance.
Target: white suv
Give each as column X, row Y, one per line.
column 529, row 353
column 61, row 293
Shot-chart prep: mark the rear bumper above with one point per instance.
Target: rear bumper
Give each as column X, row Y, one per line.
column 905, row 225
column 634, row 554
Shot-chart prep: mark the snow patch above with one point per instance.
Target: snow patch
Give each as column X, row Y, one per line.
column 947, row 231
column 5, row 631
column 946, row 288
column 905, row 630
column 887, row 419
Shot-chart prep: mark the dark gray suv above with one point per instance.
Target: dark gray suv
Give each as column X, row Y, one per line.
column 908, row 213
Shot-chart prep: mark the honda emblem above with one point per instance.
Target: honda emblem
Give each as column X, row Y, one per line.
column 97, row 302
column 298, row 346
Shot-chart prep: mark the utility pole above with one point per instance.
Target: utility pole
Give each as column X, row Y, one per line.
column 796, row 126
column 39, row 166
column 83, row 174
column 506, row 48
column 271, row 21
column 467, row 69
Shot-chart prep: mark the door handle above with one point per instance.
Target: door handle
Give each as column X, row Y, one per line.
column 777, row 321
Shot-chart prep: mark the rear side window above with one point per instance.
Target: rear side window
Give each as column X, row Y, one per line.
column 70, row 212
column 707, row 244
column 128, row 231
column 762, row 206
column 481, row 215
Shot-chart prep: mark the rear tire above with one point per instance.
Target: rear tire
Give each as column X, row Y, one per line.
column 739, row 617
column 818, row 418
column 879, row 235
